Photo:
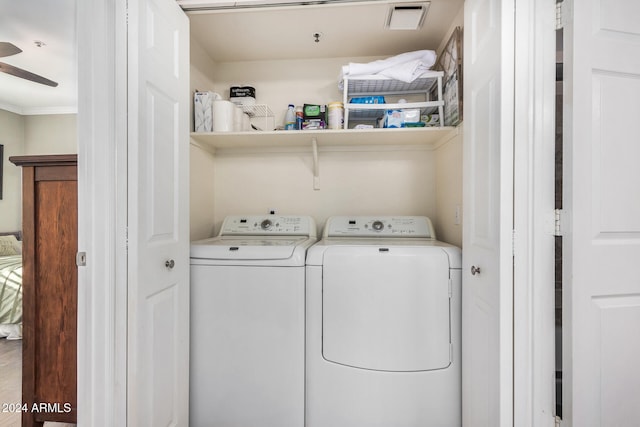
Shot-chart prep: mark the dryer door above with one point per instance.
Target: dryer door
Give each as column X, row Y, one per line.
column 386, row 308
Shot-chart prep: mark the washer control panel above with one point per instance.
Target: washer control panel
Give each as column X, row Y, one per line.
column 384, row 226
column 268, row 225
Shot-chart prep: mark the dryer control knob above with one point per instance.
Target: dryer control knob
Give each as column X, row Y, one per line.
column 266, row 224
column 377, row 225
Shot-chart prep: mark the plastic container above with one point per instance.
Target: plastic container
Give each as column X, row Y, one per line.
column 315, row 111
column 378, row 99
column 299, row 117
column 290, row 118
column 336, row 115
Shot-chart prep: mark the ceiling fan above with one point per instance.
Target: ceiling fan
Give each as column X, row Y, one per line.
column 8, row 49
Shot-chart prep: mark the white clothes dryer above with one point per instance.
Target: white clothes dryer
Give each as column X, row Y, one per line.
column 247, row 323
column 383, row 325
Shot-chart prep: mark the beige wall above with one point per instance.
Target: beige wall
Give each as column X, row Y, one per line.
column 51, row 134
column 280, row 83
column 202, row 72
column 12, row 137
column 351, row 183
column 29, row 135
column 449, row 191
column 201, row 204
column 202, row 165
column 378, row 181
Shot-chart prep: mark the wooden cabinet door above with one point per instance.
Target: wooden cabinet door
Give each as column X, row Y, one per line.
column 50, row 280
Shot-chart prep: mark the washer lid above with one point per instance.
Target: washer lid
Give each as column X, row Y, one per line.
column 386, row 308
column 246, row 248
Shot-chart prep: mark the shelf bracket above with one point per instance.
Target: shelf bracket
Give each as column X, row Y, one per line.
column 314, row 149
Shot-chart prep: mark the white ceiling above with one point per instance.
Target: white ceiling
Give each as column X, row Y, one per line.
column 347, row 30
column 53, row 22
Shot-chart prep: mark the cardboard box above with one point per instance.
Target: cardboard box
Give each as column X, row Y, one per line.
column 203, row 111
column 314, row 112
column 313, row 124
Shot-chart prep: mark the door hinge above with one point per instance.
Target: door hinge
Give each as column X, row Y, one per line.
column 559, row 15
column 557, row 222
column 450, row 289
column 81, row 259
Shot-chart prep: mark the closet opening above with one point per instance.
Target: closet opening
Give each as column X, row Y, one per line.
column 558, row 207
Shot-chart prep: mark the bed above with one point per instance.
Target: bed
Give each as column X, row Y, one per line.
column 11, row 285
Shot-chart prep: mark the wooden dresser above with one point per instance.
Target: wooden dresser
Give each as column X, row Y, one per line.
column 50, row 281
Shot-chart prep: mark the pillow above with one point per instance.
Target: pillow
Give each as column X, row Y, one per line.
column 9, row 245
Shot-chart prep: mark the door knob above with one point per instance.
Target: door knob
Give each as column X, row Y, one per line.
column 169, row 264
column 475, row 270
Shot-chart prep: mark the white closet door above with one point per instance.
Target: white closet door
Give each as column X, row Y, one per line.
column 487, row 302
column 602, row 246
column 158, row 183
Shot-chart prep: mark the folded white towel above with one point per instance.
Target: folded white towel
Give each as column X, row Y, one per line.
column 406, row 72
column 405, row 67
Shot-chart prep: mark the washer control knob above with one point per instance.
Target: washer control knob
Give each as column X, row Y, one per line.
column 377, row 225
column 266, row 224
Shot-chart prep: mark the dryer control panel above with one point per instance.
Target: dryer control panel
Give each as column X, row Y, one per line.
column 383, row 226
column 260, row 225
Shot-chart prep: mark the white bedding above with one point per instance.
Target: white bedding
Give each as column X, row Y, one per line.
column 11, row 296
column 11, row 332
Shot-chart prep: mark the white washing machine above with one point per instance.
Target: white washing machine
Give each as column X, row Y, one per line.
column 383, row 325
column 247, row 323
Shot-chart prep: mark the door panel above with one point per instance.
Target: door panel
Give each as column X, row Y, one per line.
column 161, row 195
column 615, row 159
column 602, row 246
column 484, row 227
column 388, row 309
column 158, row 217
column 487, row 297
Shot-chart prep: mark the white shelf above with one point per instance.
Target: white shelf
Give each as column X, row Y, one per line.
column 371, row 138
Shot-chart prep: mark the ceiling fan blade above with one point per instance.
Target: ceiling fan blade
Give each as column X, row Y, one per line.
column 24, row 74
column 8, row 49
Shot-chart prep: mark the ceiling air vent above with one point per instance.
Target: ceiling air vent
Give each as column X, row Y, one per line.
column 407, row 16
